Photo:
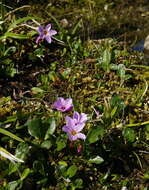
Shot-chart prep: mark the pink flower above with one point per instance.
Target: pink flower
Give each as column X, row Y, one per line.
column 79, row 118
column 45, row 33
column 79, row 148
column 74, row 126
column 63, row 105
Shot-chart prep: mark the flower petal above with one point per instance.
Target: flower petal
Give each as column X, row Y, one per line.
column 48, row 38
column 76, row 116
column 52, row 32
column 48, row 27
column 81, row 136
column 72, row 137
column 68, row 101
column 68, row 104
column 83, row 117
column 40, row 29
column 38, row 39
column 68, row 108
column 66, row 129
column 70, row 122
column 79, row 127
column 58, row 103
column 63, row 105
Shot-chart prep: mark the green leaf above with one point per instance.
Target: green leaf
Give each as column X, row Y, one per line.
column 22, row 151
column 129, row 134
column 12, row 168
column 114, row 67
column 62, row 170
column 2, row 37
column 65, row 74
column 39, row 52
column 72, row 170
column 116, row 106
column 13, row 185
column 106, row 60
column 60, row 145
column 36, row 90
column 78, row 183
column 113, row 112
column 78, row 25
column 121, row 71
column 15, row 36
column 96, row 160
column 146, row 175
column 25, row 173
column 51, row 129
column 46, row 144
column 62, row 163
column 95, row 134
column 147, row 132
column 39, row 167
column 43, row 182
column 19, row 21
column 11, row 71
column 10, row 49
column 35, row 128
column 10, row 119
column 5, row 132
column 117, row 101
column 8, row 155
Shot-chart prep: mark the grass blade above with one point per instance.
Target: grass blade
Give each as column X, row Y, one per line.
column 5, row 132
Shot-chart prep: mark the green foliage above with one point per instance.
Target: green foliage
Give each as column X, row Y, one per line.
column 35, row 128
column 106, row 60
column 95, row 134
column 96, row 160
column 71, row 171
column 5, row 132
column 129, row 134
column 10, row 32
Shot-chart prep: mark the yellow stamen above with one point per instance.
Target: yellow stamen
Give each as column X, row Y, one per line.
column 45, row 32
column 73, row 133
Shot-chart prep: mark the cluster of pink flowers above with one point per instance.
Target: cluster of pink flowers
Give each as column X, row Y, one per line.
column 75, row 124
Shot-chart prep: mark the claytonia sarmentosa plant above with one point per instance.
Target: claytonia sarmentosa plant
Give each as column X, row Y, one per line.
column 63, row 105
column 45, row 33
column 75, row 125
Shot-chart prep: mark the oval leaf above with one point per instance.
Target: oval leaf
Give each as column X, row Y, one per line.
column 51, row 129
column 96, row 160
column 129, row 134
column 35, row 128
column 72, row 170
column 95, row 134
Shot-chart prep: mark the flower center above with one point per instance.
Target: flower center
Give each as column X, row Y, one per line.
column 63, row 107
column 73, row 133
column 45, row 32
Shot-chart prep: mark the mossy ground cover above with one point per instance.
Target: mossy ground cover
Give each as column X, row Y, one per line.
column 105, row 80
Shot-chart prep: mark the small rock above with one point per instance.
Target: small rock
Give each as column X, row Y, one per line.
column 143, row 46
column 139, row 46
column 124, row 188
column 146, row 46
column 64, row 23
